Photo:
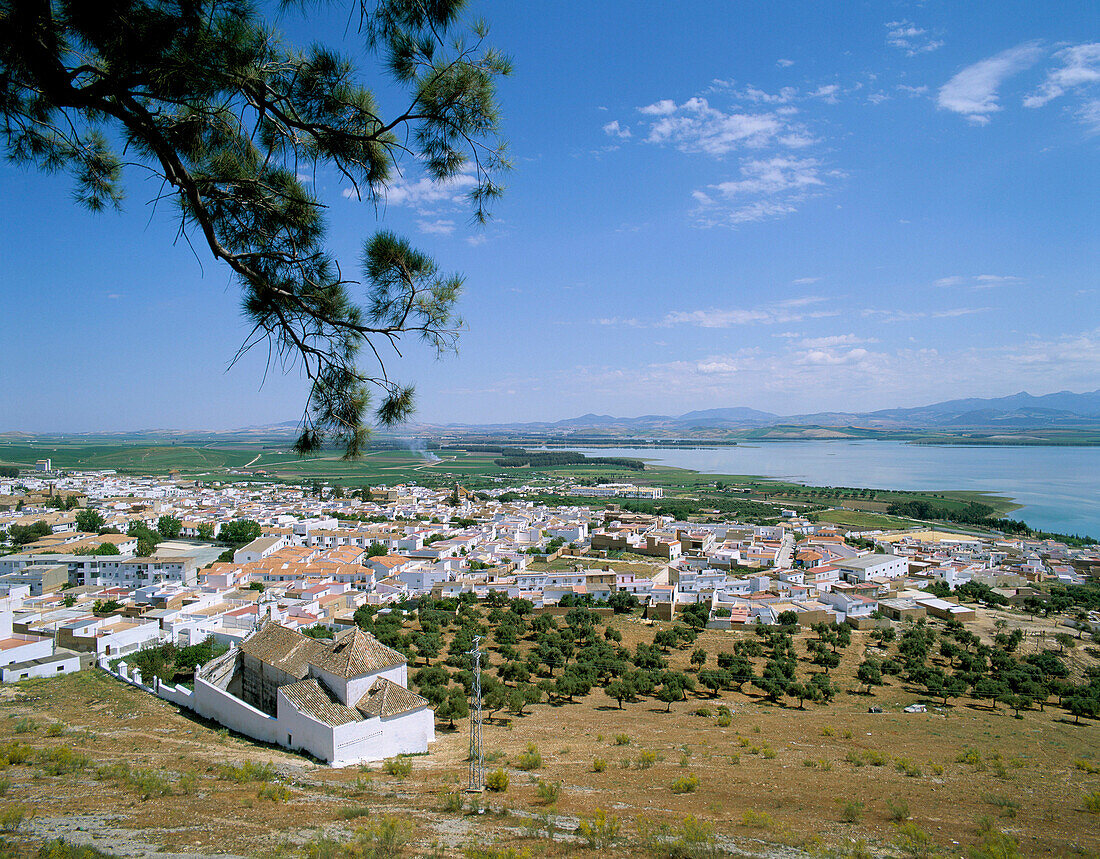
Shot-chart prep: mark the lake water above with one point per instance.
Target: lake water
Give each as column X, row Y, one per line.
column 1058, row 486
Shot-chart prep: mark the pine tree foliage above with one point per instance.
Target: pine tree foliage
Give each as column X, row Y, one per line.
column 210, row 97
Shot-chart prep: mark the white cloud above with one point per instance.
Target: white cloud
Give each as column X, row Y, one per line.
column 981, row 281
column 834, row 340
column 1089, row 114
column 439, row 227
column 476, row 240
column 695, row 126
column 423, row 193
column 785, row 311
column 833, row 357
column 1080, row 67
column 838, row 377
column 828, row 93
column 912, row 91
column 972, row 92
column 762, row 128
column 767, row 188
column 908, row 37
column 802, row 281
column 659, row 108
column 773, row 176
column 784, row 63
column 716, row 366
column 889, row 316
column 613, row 129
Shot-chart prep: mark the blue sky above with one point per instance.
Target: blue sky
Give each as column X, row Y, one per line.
column 790, row 206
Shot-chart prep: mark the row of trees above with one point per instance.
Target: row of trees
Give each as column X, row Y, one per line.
column 962, row 664
column 535, row 657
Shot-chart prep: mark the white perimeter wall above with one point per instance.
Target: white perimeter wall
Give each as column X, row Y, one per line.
column 213, row 703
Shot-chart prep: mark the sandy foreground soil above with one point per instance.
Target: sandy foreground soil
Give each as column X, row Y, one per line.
column 135, row 776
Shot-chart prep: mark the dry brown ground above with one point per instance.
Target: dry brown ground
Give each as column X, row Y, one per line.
column 1028, row 763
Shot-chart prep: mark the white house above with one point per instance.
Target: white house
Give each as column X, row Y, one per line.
column 867, row 567
column 344, row 701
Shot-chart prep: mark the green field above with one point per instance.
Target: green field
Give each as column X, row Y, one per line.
column 237, row 460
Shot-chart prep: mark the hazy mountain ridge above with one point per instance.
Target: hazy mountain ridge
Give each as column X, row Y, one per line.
column 1018, row 411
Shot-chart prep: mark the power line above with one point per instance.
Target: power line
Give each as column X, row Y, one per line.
column 477, row 761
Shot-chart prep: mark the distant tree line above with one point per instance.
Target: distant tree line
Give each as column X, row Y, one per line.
column 517, row 458
column 976, row 513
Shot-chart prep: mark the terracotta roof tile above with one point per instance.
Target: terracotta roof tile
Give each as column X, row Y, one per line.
column 283, row 648
column 355, row 653
column 386, row 698
column 311, row 698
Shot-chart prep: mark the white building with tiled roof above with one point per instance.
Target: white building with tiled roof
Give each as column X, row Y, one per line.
column 344, row 701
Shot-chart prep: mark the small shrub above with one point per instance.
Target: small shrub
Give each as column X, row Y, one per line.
column 355, row 812
column 850, row 811
column 62, row 849
column 529, row 759
column 853, row 757
column 937, row 769
column 16, row 753
column 26, row 726
column 995, row 845
column 685, row 760
column 826, row 766
column 826, row 731
column 382, row 839
column 907, row 767
column 5, row 784
column 744, row 742
column 761, row 819
column 685, row 784
column 897, row 809
column 809, row 762
column 12, row 817
column 62, row 760
column 149, row 783
column 725, row 720
column 875, row 759
column 548, row 791
column 692, row 839
column 624, row 763
column 360, row 786
column 1091, row 802
column 598, row 765
column 1086, row 766
column 601, row 831
column 274, row 792
column 702, row 711
column 1006, row 804
column 453, row 802
column 247, row 772
column 494, row 851
column 55, row 729
column 769, row 752
column 645, row 760
column 187, row 783
column 735, row 759
column 398, row 767
column 847, row 735
column 497, row 781
column 622, row 740
column 972, row 757
column 914, row 841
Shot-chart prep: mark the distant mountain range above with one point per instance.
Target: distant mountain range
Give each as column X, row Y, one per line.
column 1021, row 411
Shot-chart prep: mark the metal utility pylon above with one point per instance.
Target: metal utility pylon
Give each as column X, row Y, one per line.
column 477, row 760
